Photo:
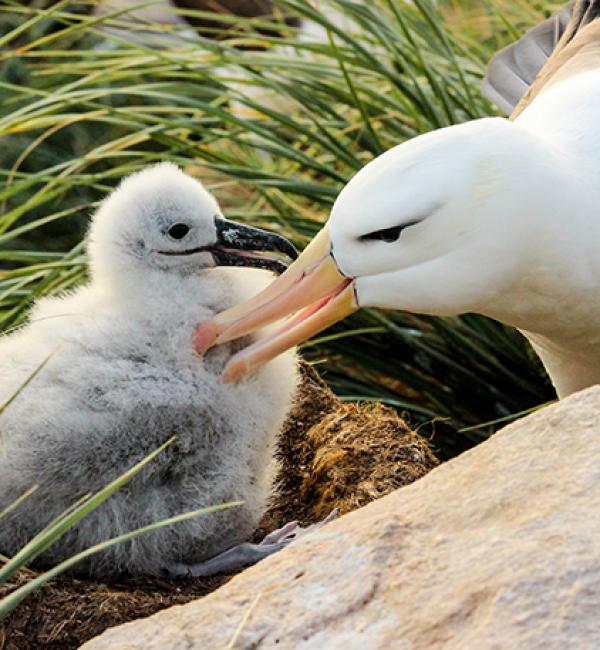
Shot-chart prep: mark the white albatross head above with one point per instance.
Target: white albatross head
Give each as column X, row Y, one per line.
column 162, row 220
column 442, row 225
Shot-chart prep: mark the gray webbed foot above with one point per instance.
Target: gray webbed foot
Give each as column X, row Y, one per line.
column 246, row 554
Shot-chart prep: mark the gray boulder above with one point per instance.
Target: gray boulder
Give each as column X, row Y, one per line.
column 498, row 549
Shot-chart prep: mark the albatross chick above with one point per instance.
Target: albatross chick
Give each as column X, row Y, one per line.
column 125, row 379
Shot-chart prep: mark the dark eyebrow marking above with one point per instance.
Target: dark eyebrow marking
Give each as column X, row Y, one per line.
column 393, row 234
column 389, row 234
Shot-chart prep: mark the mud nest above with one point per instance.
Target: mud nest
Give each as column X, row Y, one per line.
column 332, row 455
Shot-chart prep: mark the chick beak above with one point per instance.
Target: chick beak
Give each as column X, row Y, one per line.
column 240, row 245
column 312, row 288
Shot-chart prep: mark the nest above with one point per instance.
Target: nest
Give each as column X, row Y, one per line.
column 337, row 455
column 332, row 455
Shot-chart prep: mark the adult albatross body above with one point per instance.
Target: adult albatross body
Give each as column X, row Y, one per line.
column 495, row 216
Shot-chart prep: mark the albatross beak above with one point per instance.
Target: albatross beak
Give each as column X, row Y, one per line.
column 240, row 245
column 312, row 284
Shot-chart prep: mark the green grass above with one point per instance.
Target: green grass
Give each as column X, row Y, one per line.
column 74, row 120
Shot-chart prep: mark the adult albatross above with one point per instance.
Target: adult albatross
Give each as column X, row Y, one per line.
column 495, row 216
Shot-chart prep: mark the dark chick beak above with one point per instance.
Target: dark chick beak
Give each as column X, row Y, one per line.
column 240, row 245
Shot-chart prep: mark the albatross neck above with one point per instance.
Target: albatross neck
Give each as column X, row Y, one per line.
column 562, row 319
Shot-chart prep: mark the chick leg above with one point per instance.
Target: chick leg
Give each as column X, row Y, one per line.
column 246, row 554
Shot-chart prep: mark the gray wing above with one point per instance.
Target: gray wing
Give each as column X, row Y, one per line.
column 512, row 71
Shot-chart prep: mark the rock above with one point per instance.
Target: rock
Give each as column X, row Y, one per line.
column 167, row 13
column 495, row 549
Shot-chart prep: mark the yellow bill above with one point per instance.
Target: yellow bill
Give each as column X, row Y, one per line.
column 312, row 290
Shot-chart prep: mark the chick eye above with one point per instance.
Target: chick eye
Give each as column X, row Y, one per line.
column 178, row 231
column 388, row 235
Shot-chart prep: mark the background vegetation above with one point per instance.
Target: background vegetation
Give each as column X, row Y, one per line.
column 275, row 126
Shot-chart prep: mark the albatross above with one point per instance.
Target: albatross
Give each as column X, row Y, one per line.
column 125, row 378
column 495, row 216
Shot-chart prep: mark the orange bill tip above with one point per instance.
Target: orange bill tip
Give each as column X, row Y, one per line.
column 314, row 319
column 312, row 290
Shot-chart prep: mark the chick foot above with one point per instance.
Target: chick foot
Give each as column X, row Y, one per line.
column 246, row 554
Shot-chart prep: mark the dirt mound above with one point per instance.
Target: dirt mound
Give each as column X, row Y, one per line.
column 332, row 455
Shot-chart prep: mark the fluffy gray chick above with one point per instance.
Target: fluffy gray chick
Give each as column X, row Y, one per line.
column 125, row 379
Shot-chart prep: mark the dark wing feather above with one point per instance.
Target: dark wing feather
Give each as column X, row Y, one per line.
column 513, row 70
column 584, row 13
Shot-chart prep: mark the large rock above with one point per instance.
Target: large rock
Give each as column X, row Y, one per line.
column 499, row 548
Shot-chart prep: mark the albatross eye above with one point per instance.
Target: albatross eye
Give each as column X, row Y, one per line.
column 388, row 235
column 178, row 231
